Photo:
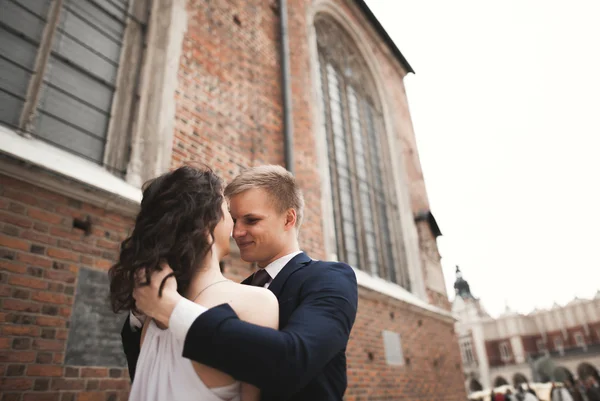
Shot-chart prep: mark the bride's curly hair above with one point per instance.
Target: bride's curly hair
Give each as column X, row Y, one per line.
column 176, row 224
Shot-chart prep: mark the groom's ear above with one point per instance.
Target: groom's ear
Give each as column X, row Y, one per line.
column 290, row 219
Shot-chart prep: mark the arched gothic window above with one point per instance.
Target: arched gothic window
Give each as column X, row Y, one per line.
column 368, row 234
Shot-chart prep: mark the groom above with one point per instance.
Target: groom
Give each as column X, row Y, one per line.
column 306, row 358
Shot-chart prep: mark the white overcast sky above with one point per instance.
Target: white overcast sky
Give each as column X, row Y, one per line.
column 506, row 108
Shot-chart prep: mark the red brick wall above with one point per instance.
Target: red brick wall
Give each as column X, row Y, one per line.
column 229, row 116
column 432, row 370
column 40, row 256
column 229, row 112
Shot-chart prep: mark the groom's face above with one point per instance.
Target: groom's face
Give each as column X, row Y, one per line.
column 258, row 226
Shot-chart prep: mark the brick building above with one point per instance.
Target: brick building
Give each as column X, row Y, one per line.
column 98, row 96
column 511, row 348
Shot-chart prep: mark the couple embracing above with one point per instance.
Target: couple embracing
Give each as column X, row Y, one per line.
column 192, row 334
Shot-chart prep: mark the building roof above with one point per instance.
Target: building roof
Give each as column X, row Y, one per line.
column 430, row 219
column 362, row 5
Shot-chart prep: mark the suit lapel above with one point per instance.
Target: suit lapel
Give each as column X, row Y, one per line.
column 296, row 263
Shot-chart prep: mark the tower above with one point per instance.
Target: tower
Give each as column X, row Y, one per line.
column 461, row 286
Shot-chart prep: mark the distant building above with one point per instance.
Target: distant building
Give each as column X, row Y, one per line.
column 510, row 349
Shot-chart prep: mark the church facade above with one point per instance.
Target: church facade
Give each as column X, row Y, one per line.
column 98, row 96
column 562, row 343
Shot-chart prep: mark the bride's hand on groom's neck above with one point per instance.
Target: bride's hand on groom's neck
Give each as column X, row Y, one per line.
column 153, row 305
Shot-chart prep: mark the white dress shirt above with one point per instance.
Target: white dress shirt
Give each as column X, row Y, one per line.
column 276, row 266
column 186, row 311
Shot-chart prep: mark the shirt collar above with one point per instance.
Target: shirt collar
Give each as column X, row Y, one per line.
column 275, row 266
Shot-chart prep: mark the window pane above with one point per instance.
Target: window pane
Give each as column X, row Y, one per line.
column 342, row 169
column 360, row 162
column 74, row 110
column 67, row 136
column 21, row 26
column 27, row 18
column 13, row 78
column 18, row 50
column 103, row 32
column 86, row 44
column 364, row 214
column 352, row 258
column 332, row 169
column 10, row 108
column 78, row 89
column 359, row 152
column 100, row 18
column 37, row 7
column 79, row 84
column 382, row 210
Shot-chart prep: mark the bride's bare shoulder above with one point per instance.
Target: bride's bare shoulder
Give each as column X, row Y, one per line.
column 256, row 305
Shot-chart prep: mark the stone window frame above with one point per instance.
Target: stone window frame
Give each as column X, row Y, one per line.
column 369, row 241
column 124, row 99
column 579, row 339
column 558, row 344
column 409, row 235
column 541, row 345
column 148, row 125
column 505, row 354
column 467, row 351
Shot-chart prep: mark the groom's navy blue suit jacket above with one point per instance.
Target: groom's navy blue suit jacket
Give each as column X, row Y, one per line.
column 305, row 360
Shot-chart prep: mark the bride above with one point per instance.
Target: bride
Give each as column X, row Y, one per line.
column 184, row 221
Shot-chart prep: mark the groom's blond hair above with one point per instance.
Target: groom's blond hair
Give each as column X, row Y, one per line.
column 279, row 183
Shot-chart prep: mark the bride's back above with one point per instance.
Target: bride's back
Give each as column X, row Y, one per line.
column 166, row 374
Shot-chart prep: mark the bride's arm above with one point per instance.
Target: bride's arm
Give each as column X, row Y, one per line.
column 250, row 392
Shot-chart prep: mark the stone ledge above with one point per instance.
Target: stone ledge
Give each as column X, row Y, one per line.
column 43, row 165
column 394, row 291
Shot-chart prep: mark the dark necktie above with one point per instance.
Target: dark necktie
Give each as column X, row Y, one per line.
column 261, row 277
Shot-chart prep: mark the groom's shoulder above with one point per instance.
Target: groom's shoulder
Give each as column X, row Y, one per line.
column 328, row 268
column 330, row 276
column 335, row 265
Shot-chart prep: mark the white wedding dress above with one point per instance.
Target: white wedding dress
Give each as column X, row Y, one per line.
column 163, row 374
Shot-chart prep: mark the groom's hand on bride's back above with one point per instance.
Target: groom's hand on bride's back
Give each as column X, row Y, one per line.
column 148, row 300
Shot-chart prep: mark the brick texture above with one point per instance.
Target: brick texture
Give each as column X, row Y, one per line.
column 40, row 254
column 228, row 116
